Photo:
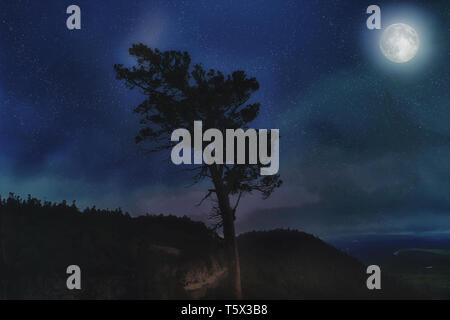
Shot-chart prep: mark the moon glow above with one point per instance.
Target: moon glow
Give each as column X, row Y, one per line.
column 399, row 43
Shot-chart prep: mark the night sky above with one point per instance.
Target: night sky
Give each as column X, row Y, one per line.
column 365, row 142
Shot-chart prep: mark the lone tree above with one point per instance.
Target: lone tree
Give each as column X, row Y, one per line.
column 176, row 95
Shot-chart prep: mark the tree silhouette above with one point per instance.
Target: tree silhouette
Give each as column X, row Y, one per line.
column 176, row 95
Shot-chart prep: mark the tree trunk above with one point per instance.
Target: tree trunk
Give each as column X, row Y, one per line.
column 229, row 234
column 232, row 254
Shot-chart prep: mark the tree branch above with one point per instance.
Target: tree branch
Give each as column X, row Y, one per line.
column 210, row 191
column 237, row 202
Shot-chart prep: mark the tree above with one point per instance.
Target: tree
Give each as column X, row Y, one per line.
column 176, row 95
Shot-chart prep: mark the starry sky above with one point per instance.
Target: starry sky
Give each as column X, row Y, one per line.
column 365, row 142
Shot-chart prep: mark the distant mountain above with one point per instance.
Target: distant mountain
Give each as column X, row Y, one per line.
column 373, row 248
column 162, row 257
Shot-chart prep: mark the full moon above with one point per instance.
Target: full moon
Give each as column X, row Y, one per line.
column 399, row 43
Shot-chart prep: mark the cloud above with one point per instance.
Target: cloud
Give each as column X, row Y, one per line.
column 370, row 149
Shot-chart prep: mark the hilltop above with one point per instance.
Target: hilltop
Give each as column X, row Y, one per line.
column 162, row 257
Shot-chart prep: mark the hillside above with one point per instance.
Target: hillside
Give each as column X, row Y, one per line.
column 121, row 257
column 161, row 257
column 297, row 265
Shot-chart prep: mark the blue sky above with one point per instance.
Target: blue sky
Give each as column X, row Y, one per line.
column 365, row 143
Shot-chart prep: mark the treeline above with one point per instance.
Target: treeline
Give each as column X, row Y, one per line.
column 120, row 256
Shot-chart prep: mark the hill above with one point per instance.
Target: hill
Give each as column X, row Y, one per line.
column 161, row 257
column 297, row 265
